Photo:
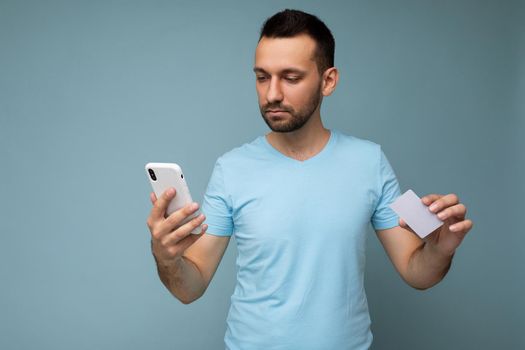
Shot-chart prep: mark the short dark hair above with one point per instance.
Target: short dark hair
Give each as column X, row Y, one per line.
column 289, row 23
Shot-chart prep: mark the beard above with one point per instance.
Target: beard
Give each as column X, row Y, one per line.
column 297, row 118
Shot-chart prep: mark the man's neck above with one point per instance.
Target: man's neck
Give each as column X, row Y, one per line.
column 301, row 144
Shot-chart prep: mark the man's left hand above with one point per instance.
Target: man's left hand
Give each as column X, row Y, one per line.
column 448, row 208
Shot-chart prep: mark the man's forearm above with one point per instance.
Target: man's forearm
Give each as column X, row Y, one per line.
column 427, row 267
column 182, row 278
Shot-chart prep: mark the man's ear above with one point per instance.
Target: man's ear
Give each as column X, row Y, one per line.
column 330, row 79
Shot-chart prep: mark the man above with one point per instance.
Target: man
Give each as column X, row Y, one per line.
column 299, row 201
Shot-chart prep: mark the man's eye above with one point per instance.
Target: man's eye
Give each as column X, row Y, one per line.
column 261, row 78
column 292, row 79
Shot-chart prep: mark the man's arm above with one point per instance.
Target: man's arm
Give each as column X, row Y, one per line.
column 186, row 262
column 423, row 263
column 188, row 277
column 418, row 264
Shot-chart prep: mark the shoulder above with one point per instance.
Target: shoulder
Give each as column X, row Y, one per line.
column 243, row 153
column 357, row 145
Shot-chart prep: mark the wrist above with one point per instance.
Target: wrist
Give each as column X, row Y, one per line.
column 439, row 255
column 166, row 262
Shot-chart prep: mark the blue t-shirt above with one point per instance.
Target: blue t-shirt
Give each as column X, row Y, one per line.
column 300, row 229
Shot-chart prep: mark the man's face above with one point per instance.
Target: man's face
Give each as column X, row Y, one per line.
column 287, row 81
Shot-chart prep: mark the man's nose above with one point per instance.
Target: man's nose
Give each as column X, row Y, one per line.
column 274, row 93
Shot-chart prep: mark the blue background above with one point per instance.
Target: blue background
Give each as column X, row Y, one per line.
column 90, row 91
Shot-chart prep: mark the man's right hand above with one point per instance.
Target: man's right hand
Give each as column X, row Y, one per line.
column 169, row 239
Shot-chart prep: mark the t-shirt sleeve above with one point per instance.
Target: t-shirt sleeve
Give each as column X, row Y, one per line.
column 384, row 217
column 217, row 205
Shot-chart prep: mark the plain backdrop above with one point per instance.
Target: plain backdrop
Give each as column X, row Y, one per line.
column 90, row 91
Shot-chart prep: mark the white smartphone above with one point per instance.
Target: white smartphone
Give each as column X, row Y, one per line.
column 165, row 175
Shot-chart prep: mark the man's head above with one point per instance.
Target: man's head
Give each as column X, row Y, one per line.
column 294, row 67
column 292, row 23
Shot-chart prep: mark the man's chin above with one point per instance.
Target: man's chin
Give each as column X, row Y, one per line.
column 280, row 127
column 283, row 123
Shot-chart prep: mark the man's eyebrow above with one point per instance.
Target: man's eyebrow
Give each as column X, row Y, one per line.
column 284, row 71
column 293, row 71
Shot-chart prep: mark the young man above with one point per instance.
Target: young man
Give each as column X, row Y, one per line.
column 299, row 201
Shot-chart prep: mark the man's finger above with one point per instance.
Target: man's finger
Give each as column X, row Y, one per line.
column 444, row 202
column 152, row 198
column 176, row 218
column 430, row 198
column 160, row 206
column 190, row 239
column 183, row 231
column 458, row 211
column 462, row 226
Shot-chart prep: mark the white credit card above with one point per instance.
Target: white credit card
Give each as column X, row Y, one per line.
column 416, row 214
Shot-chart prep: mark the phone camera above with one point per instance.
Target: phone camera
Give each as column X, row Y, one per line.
column 152, row 174
column 181, row 176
